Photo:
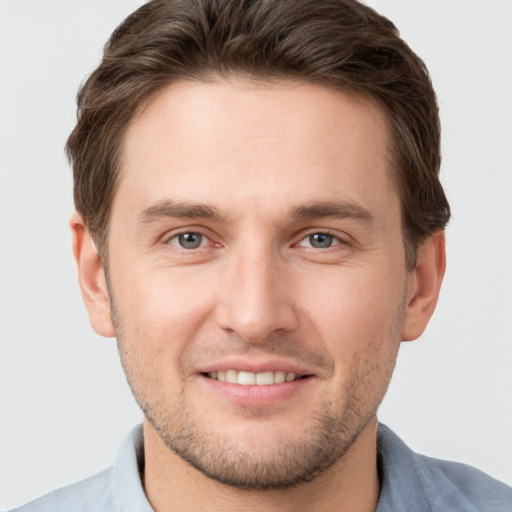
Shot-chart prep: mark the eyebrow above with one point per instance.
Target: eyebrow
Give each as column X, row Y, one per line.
column 333, row 209
column 324, row 209
column 167, row 208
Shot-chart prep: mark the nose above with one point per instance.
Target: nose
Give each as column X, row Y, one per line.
column 256, row 297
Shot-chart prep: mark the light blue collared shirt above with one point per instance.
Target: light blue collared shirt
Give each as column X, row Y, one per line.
column 409, row 483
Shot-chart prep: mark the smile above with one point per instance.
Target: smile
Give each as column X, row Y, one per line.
column 253, row 379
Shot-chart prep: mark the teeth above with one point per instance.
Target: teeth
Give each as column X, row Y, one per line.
column 249, row 378
column 280, row 377
column 246, row 378
column 231, row 376
column 265, row 378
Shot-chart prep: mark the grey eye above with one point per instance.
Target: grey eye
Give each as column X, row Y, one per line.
column 189, row 240
column 320, row 240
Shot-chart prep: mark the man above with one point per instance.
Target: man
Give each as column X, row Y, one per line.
column 260, row 224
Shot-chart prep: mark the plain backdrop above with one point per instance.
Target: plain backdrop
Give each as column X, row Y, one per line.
column 64, row 403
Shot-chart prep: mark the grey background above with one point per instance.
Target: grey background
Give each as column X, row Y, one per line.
column 64, row 404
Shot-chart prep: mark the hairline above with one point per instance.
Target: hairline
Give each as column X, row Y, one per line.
column 244, row 78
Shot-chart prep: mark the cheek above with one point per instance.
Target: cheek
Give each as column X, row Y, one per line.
column 357, row 318
column 162, row 310
column 347, row 304
column 158, row 317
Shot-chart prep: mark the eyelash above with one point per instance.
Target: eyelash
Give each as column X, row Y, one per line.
column 176, row 236
column 334, row 239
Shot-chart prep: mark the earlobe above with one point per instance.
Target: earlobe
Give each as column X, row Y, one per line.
column 424, row 286
column 91, row 277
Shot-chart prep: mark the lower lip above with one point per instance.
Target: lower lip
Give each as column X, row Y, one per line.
column 257, row 396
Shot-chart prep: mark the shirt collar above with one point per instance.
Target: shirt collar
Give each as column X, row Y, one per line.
column 403, row 475
column 128, row 470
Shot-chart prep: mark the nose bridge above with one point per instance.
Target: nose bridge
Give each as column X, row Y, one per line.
column 255, row 301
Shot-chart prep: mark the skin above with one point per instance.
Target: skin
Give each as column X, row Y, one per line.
column 256, row 170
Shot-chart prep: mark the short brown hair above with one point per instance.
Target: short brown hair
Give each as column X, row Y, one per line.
column 338, row 43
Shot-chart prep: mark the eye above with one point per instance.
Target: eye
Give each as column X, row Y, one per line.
column 319, row 241
column 189, row 240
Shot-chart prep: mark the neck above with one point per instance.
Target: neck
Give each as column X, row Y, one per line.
column 351, row 484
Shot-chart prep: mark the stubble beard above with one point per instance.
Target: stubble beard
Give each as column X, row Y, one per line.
column 246, row 466
column 242, row 464
column 334, row 427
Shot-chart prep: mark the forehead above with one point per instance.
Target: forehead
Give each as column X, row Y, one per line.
column 221, row 141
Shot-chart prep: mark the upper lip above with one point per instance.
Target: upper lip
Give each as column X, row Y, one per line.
column 254, row 366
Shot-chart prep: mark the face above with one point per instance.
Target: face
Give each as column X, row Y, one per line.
column 257, row 275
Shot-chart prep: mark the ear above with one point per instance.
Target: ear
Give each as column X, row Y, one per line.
column 91, row 278
column 424, row 285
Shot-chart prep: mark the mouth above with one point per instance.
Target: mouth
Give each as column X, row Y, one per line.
column 246, row 378
column 257, row 384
